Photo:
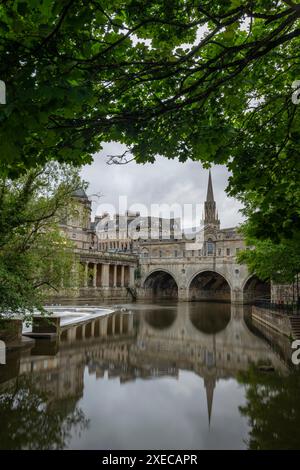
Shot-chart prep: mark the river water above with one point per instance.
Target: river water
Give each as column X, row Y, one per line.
column 154, row 376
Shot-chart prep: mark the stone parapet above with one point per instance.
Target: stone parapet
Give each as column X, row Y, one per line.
column 278, row 321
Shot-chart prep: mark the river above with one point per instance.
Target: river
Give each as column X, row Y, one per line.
column 154, row 376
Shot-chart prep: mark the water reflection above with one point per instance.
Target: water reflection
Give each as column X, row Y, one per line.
column 160, row 318
column 98, row 386
column 272, row 408
column 207, row 319
column 32, row 419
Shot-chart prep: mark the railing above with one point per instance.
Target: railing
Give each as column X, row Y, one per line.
column 287, row 308
column 146, row 259
column 106, row 254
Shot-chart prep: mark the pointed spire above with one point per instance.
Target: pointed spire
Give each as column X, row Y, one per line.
column 210, row 193
column 209, row 383
column 210, row 214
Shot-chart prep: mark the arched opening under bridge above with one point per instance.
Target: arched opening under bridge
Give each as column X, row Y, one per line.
column 256, row 290
column 161, row 285
column 209, row 286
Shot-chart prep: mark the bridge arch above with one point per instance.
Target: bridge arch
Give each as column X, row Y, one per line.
column 256, row 289
column 161, row 284
column 209, row 286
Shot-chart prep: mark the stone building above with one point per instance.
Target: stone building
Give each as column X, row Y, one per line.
column 125, row 232
column 210, row 240
column 105, row 275
column 146, row 257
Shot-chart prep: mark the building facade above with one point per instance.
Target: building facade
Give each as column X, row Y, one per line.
column 147, row 257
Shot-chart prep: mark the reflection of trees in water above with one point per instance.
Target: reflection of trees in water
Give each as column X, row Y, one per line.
column 209, row 318
column 29, row 421
column 272, row 408
column 160, row 319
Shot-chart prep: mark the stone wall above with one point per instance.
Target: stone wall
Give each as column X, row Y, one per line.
column 278, row 321
column 86, row 293
column 284, row 293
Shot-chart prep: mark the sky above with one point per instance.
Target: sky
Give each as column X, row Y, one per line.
column 166, row 182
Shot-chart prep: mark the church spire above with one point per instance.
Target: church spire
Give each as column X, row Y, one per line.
column 210, row 211
column 210, row 192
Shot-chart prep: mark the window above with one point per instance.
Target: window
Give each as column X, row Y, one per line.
column 237, row 250
column 228, row 251
column 175, row 253
column 210, row 247
column 160, row 253
column 219, row 251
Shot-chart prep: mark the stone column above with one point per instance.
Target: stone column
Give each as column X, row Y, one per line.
column 86, row 270
column 113, row 324
column 105, row 275
column 95, row 275
column 237, row 296
column 131, row 276
column 115, row 276
column 183, row 293
column 99, row 276
column 121, row 323
column 122, row 275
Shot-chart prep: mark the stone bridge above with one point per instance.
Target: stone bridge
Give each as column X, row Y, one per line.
column 205, row 278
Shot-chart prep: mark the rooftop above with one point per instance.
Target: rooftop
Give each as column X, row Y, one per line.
column 80, row 193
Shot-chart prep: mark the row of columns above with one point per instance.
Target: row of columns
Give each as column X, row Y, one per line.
column 116, row 324
column 108, row 275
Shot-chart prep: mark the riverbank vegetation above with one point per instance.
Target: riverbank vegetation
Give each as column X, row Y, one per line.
column 35, row 255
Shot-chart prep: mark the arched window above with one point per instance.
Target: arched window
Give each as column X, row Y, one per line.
column 210, row 247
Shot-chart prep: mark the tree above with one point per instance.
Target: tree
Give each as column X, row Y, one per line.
column 270, row 255
column 211, row 81
column 35, row 256
column 278, row 261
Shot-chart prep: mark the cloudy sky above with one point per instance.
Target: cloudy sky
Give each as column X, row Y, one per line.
column 166, row 182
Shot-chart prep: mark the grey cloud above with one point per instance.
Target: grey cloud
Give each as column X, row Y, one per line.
column 164, row 182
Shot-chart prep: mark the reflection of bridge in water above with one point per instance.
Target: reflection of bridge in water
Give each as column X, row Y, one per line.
column 150, row 342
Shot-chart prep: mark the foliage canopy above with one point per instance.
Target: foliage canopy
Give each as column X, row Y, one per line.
column 211, row 80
